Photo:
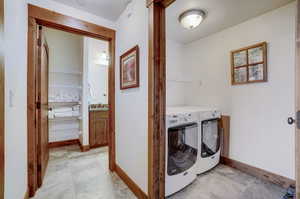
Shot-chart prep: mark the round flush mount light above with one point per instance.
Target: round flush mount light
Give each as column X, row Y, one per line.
column 190, row 19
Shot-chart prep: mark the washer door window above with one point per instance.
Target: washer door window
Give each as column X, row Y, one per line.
column 210, row 138
column 182, row 148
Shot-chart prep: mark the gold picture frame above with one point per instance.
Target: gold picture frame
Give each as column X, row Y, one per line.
column 249, row 64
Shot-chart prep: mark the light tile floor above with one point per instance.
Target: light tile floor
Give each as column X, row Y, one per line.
column 72, row 174
column 224, row 182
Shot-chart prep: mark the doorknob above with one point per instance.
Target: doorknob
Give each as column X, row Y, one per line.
column 291, row 120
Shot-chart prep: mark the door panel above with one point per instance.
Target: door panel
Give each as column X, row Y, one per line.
column 42, row 103
column 92, row 129
column 98, row 128
column 101, row 126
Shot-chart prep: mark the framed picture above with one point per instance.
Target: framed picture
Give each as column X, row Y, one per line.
column 129, row 69
column 249, row 65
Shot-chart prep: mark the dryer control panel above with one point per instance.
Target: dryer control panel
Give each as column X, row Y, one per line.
column 181, row 118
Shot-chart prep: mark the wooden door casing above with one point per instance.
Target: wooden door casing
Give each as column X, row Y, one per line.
column 52, row 19
column 42, row 106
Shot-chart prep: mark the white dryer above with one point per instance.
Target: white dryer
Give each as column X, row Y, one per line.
column 209, row 140
column 181, row 149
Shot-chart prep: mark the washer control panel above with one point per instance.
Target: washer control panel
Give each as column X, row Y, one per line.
column 177, row 119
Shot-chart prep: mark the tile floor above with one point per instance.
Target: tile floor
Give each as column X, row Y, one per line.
column 75, row 175
column 226, row 183
column 72, row 174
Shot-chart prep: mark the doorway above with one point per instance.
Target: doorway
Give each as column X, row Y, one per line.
column 38, row 104
column 157, row 77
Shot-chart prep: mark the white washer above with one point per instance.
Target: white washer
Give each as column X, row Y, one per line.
column 209, row 149
column 181, row 149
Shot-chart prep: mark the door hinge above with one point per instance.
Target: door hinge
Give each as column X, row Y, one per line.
column 38, row 105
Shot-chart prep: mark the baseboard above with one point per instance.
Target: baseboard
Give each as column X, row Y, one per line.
column 259, row 173
column 26, row 196
column 138, row 192
column 63, row 143
column 84, row 148
column 98, row 146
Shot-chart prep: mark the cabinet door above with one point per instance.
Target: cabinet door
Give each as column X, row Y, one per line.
column 98, row 128
column 101, row 128
column 92, row 131
column 101, row 131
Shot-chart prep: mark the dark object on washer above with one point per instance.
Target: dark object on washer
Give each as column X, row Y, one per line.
column 290, row 193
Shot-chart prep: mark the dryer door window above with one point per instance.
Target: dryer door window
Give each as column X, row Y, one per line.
column 210, row 138
column 182, row 148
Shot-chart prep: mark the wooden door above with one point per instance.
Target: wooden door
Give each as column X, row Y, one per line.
column 42, row 106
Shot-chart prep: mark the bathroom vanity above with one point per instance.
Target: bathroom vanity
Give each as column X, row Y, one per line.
column 98, row 126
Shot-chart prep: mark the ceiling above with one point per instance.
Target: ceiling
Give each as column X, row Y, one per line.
column 109, row 9
column 221, row 15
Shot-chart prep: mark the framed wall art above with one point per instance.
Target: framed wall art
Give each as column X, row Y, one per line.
column 129, row 69
column 249, row 65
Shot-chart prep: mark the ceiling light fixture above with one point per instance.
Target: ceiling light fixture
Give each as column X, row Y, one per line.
column 190, row 19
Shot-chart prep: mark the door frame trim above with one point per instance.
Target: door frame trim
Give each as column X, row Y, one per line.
column 157, row 97
column 48, row 18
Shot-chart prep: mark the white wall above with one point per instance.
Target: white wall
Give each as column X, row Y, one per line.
column 175, row 73
column 98, row 73
column 16, row 81
column 73, row 12
column 65, row 51
column 131, row 104
column 15, row 99
column 260, row 135
column 95, row 76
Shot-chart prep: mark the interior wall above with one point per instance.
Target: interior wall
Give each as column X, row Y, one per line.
column 16, row 87
column 65, row 51
column 2, row 69
column 15, row 31
column 65, row 79
column 131, row 104
column 260, row 135
column 73, row 12
column 98, row 72
column 175, row 73
column 95, row 76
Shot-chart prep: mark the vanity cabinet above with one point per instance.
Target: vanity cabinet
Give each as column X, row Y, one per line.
column 98, row 128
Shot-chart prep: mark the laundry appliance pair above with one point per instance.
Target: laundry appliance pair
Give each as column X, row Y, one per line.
column 192, row 144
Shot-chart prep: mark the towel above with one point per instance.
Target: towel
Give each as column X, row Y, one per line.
column 75, row 108
column 76, row 113
column 62, row 110
column 63, row 114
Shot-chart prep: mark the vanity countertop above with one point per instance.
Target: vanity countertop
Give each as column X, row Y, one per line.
column 98, row 107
